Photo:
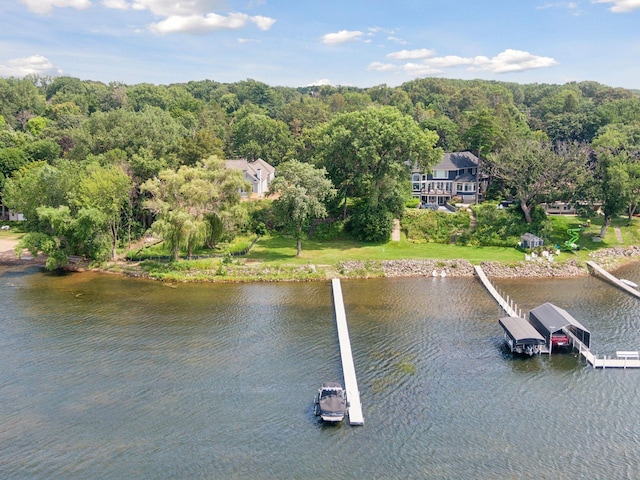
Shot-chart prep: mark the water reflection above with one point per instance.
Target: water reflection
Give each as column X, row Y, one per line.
column 105, row 377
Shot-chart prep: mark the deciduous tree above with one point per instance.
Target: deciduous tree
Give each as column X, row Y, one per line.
column 533, row 171
column 303, row 191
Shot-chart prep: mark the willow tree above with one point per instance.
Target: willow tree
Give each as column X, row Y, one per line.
column 183, row 201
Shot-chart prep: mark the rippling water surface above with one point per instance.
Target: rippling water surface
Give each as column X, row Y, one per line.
column 106, row 377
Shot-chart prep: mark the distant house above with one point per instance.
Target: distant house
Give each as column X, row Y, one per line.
column 258, row 173
column 6, row 214
column 456, row 175
column 529, row 240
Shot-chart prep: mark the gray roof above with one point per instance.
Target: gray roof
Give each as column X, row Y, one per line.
column 251, row 168
column 554, row 318
column 466, row 177
column 521, row 331
column 529, row 236
column 457, row 161
column 452, row 161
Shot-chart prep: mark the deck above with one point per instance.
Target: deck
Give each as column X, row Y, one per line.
column 348, row 368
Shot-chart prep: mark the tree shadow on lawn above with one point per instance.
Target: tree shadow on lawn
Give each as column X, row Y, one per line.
column 281, row 248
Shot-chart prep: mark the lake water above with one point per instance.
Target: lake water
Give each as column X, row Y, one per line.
column 112, row 378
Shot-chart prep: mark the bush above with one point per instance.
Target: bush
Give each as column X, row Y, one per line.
column 413, row 203
column 502, row 227
column 370, row 224
column 430, row 226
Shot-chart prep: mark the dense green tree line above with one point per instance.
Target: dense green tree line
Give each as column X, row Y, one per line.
column 578, row 141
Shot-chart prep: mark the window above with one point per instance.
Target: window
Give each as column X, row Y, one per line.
column 416, row 186
column 439, row 174
column 416, row 177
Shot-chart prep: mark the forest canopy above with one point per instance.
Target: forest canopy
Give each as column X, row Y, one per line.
column 78, row 134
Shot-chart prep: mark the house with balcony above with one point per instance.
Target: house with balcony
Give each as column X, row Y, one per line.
column 258, row 173
column 456, row 175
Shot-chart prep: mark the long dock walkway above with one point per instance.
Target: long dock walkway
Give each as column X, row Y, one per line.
column 598, row 271
column 348, row 368
column 508, row 306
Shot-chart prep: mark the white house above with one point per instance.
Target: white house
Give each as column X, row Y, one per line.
column 456, row 175
column 259, row 173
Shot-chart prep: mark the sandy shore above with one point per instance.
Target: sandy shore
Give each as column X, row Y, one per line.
column 7, row 245
column 8, row 256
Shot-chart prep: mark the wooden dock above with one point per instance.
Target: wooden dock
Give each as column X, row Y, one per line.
column 600, row 272
column 623, row 359
column 507, row 305
column 348, row 368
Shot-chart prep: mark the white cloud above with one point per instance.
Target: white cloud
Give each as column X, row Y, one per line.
column 419, row 69
column 411, row 54
column 397, row 40
column 168, row 8
column 116, row 4
column 46, row 6
column 572, row 8
column 191, row 16
column 513, row 61
column 505, row 62
column 35, row 64
column 263, row 23
column 317, row 83
column 382, row 67
column 342, row 36
column 200, row 23
column 450, row 61
column 621, row 6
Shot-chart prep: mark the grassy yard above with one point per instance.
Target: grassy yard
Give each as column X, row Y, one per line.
column 589, row 231
column 329, row 252
column 280, row 250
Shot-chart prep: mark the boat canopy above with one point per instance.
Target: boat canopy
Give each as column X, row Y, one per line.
column 521, row 331
column 548, row 319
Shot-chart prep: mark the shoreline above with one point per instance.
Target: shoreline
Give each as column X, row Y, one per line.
column 245, row 272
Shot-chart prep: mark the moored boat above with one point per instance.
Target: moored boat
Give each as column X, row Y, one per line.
column 331, row 402
column 629, row 283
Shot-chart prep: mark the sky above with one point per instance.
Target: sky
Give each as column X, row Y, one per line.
column 298, row 43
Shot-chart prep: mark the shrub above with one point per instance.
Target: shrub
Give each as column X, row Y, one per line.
column 502, row 227
column 430, row 226
column 370, row 224
column 413, row 203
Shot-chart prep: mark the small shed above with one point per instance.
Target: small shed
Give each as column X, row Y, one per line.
column 521, row 336
column 549, row 319
column 529, row 240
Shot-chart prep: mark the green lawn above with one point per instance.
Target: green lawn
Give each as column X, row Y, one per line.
column 590, row 230
column 278, row 249
column 283, row 250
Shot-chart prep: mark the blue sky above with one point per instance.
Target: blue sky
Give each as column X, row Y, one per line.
column 298, row 43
